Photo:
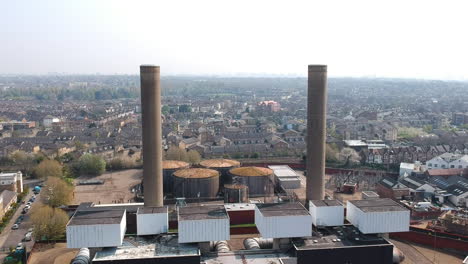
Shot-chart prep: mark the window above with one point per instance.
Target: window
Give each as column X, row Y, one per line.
column 460, row 166
column 436, row 165
column 430, row 164
column 452, row 166
column 443, row 166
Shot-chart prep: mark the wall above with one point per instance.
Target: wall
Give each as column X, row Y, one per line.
column 203, row 230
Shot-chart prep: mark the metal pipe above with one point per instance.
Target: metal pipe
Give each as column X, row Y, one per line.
column 316, row 132
column 152, row 135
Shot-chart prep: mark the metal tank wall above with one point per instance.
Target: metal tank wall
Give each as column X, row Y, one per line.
column 223, row 166
column 236, row 193
column 189, row 187
column 258, row 185
column 169, row 167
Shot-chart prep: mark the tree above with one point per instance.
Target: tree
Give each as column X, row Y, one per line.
column 89, row 164
column 19, row 157
column 193, row 157
column 349, row 156
column 175, row 153
column 49, row 223
column 120, row 163
column 57, row 192
column 48, row 168
column 331, row 154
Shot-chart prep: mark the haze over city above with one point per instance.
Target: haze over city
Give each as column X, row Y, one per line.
column 403, row 39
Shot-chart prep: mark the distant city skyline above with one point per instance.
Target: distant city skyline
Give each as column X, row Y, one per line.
column 363, row 38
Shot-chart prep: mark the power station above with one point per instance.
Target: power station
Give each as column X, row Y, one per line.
column 218, row 208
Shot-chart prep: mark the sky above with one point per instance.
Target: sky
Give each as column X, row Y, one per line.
column 358, row 38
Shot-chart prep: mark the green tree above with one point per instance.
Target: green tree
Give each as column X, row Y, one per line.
column 48, row 168
column 89, row 164
column 193, row 157
column 49, row 223
column 57, row 192
column 176, row 153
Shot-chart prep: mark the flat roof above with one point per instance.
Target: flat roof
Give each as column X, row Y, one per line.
column 162, row 246
column 283, row 171
column 97, row 217
column 321, row 203
column 378, row 205
column 282, row 209
column 152, row 210
column 202, row 212
column 338, row 237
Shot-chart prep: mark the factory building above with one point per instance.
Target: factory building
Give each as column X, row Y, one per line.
column 201, row 232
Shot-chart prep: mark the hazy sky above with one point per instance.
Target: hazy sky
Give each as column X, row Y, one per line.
column 408, row 38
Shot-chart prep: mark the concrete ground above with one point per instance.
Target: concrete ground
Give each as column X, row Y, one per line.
column 116, row 188
column 52, row 254
column 417, row 254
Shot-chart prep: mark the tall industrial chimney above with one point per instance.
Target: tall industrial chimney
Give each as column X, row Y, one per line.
column 316, row 132
column 152, row 136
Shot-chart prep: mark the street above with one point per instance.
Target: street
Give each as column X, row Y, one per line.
column 11, row 238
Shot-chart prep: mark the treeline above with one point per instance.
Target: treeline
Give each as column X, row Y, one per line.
column 71, row 93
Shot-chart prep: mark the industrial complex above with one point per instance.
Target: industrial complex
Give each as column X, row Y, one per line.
column 222, row 212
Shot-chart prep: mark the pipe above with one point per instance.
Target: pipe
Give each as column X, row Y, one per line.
column 398, row 256
column 221, row 246
column 258, row 243
column 82, row 257
column 316, row 132
column 152, row 135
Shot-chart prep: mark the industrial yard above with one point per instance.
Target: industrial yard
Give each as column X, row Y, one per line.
column 52, row 254
column 417, row 254
column 117, row 188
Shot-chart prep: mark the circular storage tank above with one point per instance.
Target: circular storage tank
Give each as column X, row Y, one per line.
column 169, row 167
column 189, row 182
column 223, row 166
column 236, row 193
column 260, row 181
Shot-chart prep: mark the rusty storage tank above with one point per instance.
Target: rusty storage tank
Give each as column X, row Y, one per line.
column 236, row 193
column 189, row 183
column 260, row 181
column 223, row 166
column 169, row 167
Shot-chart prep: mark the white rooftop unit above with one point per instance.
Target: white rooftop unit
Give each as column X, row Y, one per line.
column 326, row 212
column 290, row 182
column 283, row 220
column 283, row 171
column 203, row 224
column 90, row 229
column 152, row 220
column 366, row 195
column 378, row 216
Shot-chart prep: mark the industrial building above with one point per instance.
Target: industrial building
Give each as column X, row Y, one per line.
column 200, row 232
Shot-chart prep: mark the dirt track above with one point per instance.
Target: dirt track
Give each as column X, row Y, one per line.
column 117, row 187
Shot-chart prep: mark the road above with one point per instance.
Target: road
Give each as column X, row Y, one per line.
column 11, row 238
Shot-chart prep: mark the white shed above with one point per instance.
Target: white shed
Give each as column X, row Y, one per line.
column 283, row 220
column 378, row 216
column 88, row 229
column 203, row 224
column 326, row 212
column 152, row 220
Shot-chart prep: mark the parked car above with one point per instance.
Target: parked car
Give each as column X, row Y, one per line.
column 15, row 226
column 30, row 229
column 28, row 236
column 20, row 246
column 28, row 204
